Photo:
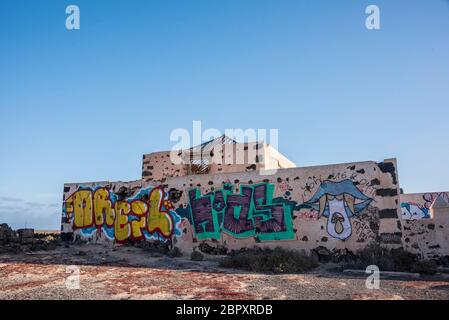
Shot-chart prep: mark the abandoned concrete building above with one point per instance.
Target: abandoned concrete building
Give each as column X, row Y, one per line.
column 228, row 195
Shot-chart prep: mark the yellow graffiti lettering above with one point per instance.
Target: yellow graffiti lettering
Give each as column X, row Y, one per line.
column 140, row 209
column 81, row 203
column 158, row 220
column 69, row 205
column 103, row 208
column 121, row 225
column 128, row 218
column 136, row 228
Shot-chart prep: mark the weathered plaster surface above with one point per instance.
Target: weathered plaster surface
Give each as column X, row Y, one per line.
column 335, row 206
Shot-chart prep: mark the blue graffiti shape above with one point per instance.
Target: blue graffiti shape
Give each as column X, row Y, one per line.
column 411, row 211
column 338, row 202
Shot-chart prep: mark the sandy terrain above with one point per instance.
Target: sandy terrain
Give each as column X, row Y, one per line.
column 131, row 273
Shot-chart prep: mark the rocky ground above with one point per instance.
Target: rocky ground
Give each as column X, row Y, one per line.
column 107, row 272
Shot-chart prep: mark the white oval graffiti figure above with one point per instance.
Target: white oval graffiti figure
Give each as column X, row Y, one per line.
column 338, row 224
column 339, row 201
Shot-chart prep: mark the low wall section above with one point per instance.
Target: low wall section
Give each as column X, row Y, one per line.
column 342, row 206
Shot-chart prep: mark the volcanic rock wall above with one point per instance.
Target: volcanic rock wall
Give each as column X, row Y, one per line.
column 343, row 206
column 426, row 223
column 239, row 157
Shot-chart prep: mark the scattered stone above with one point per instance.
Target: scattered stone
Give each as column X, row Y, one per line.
column 389, row 274
column 7, row 235
column 26, row 236
column 218, row 250
column 196, row 256
column 174, row 253
column 323, row 254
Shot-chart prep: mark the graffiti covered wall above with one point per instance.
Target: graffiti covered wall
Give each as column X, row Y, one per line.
column 415, row 206
column 335, row 206
column 425, row 223
column 96, row 211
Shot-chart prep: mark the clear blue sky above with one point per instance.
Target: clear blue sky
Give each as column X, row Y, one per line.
column 85, row 105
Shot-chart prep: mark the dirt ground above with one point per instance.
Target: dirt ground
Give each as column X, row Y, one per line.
column 131, row 273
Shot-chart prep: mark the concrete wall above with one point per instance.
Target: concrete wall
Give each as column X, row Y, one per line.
column 426, row 223
column 157, row 166
column 343, row 206
column 227, row 158
column 275, row 160
column 415, row 206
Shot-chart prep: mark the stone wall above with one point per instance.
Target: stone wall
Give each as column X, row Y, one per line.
column 415, row 206
column 343, row 206
column 425, row 220
column 227, row 158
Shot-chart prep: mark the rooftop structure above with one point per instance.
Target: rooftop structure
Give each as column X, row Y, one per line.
column 220, row 155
